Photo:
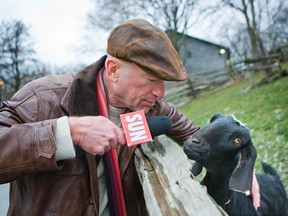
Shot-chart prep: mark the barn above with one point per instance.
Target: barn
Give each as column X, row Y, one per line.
column 204, row 60
column 207, row 64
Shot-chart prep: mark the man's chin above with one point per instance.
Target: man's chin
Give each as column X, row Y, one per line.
column 145, row 109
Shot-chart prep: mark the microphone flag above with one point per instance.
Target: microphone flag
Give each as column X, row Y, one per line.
column 135, row 128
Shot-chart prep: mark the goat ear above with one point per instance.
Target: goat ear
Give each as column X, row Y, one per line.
column 216, row 116
column 196, row 169
column 242, row 176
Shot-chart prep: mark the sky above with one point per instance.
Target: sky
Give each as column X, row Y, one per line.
column 58, row 29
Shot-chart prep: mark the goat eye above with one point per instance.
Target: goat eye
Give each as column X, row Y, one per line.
column 238, row 141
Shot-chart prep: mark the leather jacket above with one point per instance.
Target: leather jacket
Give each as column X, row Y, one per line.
column 40, row 185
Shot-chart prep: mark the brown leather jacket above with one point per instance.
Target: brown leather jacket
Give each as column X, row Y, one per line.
column 39, row 184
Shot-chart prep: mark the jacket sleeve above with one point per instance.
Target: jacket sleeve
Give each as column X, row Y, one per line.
column 27, row 145
column 182, row 128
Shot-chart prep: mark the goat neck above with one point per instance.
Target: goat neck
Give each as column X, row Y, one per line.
column 217, row 182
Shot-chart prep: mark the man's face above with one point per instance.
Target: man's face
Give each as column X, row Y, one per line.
column 134, row 88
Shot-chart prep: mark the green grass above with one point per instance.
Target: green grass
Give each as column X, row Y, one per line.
column 264, row 110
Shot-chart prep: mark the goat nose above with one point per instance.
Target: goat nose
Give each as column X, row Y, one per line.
column 195, row 140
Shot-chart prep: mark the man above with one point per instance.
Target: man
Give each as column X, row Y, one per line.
column 49, row 117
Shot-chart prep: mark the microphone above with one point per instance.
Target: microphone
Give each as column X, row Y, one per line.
column 138, row 129
column 159, row 125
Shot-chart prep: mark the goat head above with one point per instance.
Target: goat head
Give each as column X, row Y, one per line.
column 224, row 144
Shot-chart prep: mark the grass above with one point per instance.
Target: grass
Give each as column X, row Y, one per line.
column 264, row 110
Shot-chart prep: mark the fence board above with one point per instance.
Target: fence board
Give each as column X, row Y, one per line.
column 168, row 185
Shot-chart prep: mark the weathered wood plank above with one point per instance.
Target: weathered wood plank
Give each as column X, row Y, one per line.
column 169, row 187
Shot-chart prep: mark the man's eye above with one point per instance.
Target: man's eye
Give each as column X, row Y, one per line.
column 152, row 80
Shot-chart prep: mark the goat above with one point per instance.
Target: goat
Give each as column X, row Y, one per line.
column 225, row 149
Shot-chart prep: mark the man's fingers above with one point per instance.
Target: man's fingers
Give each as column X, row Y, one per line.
column 121, row 140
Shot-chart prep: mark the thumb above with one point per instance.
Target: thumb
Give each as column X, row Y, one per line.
column 121, row 137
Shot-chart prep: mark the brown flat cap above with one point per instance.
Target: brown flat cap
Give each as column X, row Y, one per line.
column 147, row 46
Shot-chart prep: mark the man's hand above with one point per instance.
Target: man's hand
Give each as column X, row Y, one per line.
column 95, row 134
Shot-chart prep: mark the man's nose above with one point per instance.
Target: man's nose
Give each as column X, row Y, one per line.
column 159, row 89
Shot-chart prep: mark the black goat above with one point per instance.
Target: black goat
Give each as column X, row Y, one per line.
column 225, row 149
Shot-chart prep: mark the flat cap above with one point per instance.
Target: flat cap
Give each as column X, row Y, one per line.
column 139, row 42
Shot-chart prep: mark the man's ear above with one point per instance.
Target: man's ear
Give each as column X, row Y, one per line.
column 111, row 66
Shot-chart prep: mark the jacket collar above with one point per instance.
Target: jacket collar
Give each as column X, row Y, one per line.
column 80, row 97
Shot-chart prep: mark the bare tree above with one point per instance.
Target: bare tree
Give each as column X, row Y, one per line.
column 238, row 40
column 17, row 62
column 262, row 19
column 246, row 8
column 277, row 29
column 174, row 16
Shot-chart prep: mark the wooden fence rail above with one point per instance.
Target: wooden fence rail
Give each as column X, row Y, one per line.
column 168, row 185
column 180, row 93
column 183, row 92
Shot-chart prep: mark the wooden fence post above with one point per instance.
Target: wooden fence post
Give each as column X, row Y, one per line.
column 168, row 185
column 191, row 87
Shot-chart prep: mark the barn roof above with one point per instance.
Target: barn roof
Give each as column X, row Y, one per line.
column 197, row 39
